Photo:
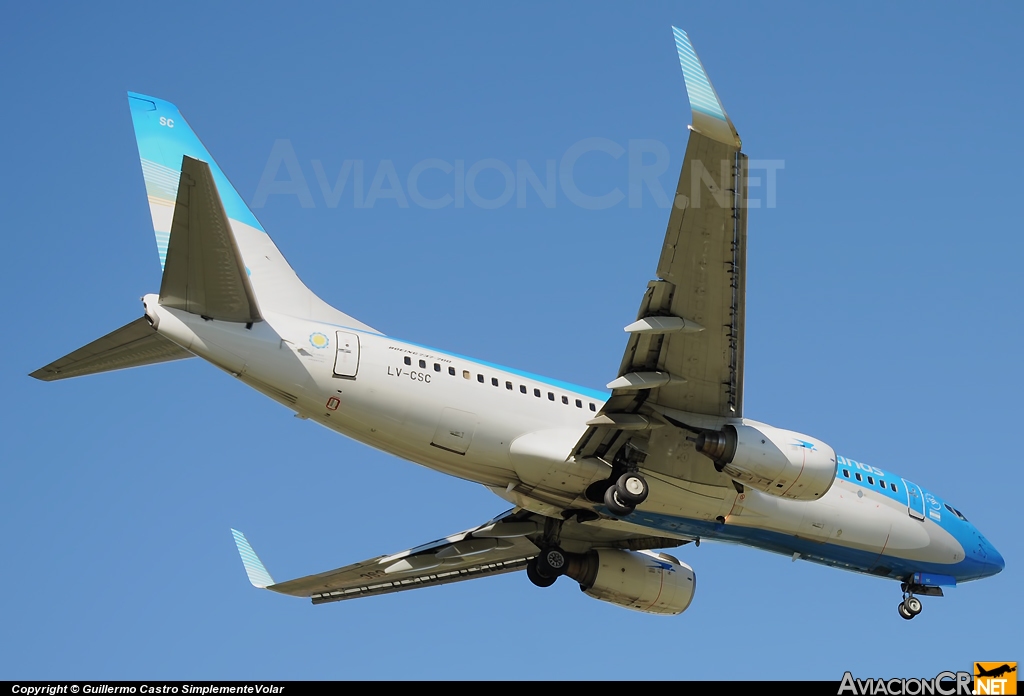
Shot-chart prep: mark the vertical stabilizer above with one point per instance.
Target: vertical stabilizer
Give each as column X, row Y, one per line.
column 165, row 139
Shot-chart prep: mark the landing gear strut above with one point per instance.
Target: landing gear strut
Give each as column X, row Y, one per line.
column 625, row 488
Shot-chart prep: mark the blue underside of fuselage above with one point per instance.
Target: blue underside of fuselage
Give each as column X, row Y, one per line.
column 834, row 555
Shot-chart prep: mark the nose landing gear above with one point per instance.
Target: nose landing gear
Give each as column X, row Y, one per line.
column 909, row 607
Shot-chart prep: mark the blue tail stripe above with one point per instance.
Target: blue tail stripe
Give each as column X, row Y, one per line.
column 164, row 137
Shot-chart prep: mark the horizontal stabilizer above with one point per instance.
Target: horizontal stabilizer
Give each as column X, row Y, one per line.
column 133, row 345
column 204, row 273
column 254, row 568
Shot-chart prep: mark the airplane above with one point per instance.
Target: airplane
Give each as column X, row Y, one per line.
column 996, row 672
column 601, row 481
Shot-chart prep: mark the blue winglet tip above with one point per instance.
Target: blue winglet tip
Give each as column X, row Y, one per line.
column 708, row 113
column 254, row 568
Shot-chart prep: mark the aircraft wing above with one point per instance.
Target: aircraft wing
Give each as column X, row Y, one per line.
column 501, row 545
column 685, row 350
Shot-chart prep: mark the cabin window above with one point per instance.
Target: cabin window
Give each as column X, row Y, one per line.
column 846, row 473
column 893, row 487
column 859, row 477
column 408, row 360
column 565, row 400
column 480, row 378
column 451, row 371
column 522, row 388
column 423, row 363
column 465, row 374
column 494, row 381
column 871, row 480
column 551, row 396
column 536, row 392
column 579, row 404
column 592, row 406
column 437, row 367
column 881, row 483
column 508, row 385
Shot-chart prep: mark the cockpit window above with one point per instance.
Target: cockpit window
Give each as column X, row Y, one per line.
column 955, row 512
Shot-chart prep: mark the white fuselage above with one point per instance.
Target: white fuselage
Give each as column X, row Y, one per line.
column 512, row 432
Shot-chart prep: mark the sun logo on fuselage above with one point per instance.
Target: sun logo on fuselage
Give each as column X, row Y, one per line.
column 319, row 340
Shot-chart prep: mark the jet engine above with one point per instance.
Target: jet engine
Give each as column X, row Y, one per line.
column 774, row 461
column 655, row 583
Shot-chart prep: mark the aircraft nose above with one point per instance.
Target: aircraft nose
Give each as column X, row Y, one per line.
column 986, row 556
column 995, row 559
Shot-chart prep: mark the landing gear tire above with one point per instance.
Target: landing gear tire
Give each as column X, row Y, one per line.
column 902, row 609
column 632, row 488
column 912, row 605
column 614, row 502
column 540, row 580
column 552, row 562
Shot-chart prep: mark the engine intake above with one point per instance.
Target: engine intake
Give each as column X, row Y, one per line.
column 778, row 462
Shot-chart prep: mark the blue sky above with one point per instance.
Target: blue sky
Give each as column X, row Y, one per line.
column 883, row 317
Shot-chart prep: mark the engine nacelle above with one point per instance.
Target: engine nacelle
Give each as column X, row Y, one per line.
column 774, row 461
column 644, row 581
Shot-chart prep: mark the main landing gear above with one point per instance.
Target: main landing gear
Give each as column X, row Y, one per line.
column 626, row 493
column 624, row 488
column 546, row 567
column 552, row 562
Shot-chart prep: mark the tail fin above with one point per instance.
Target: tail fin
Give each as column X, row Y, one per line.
column 165, row 139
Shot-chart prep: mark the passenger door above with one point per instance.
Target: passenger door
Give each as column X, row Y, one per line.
column 915, row 500
column 346, row 360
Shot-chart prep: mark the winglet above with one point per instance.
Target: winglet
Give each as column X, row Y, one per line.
column 709, row 117
column 258, row 575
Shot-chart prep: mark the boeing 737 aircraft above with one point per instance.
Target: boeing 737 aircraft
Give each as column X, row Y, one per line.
column 598, row 480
